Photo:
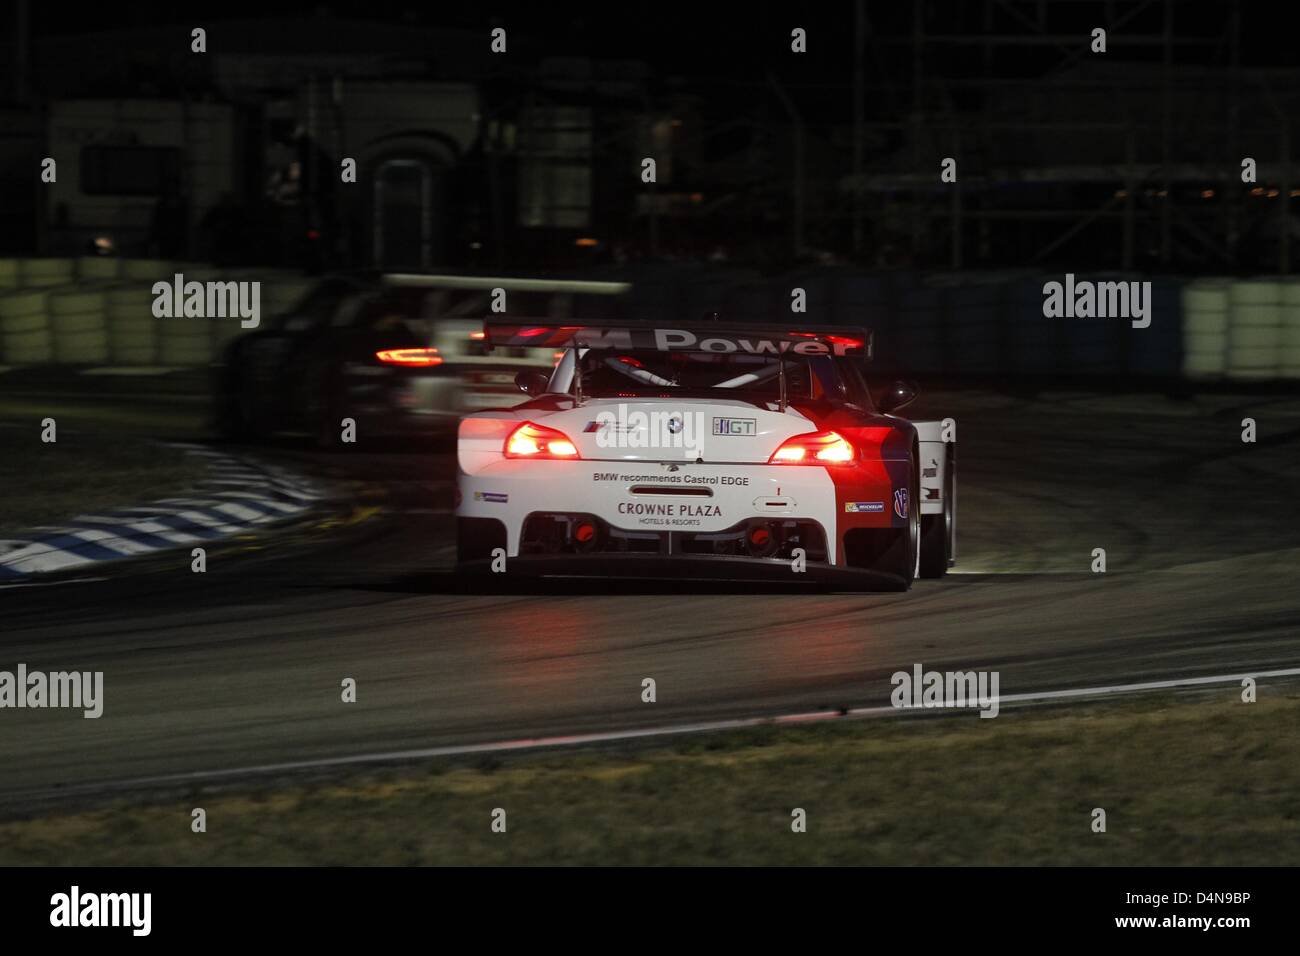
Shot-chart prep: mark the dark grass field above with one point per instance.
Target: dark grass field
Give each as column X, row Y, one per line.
column 1183, row 781
column 84, row 471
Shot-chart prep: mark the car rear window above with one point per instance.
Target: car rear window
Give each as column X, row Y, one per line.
column 610, row 373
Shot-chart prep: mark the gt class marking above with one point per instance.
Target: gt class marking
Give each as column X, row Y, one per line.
column 735, row 426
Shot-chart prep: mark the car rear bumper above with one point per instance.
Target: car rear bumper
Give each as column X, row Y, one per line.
column 417, row 402
column 688, row 567
column 404, row 423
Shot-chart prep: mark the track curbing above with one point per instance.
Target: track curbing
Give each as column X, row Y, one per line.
column 238, row 495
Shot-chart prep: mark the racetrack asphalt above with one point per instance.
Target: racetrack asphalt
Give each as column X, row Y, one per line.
column 242, row 665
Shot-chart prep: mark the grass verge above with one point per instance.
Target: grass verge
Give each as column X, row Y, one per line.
column 85, row 471
column 1206, row 780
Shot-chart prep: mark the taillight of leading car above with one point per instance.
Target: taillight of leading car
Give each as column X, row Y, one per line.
column 410, row 358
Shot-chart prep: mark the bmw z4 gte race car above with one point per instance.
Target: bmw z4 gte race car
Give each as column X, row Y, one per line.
column 705, row 451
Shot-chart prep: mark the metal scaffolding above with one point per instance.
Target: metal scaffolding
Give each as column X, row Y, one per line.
column 1147, row 137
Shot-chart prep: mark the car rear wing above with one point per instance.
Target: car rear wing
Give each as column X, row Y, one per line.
column 752, row 339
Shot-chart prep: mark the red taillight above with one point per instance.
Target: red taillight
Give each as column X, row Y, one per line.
column 814, row 448
column 411, row 358
column 538, row 441
column 833, row 339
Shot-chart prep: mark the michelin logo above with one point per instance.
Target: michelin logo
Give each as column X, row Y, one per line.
column 864, row 507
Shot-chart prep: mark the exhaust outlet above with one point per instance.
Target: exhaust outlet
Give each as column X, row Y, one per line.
column 762, row 541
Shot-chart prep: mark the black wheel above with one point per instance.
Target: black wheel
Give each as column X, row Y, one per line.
column 234, row 414
column 322, row 410
column 477, row 538
column 227, row 416
column 938, row 532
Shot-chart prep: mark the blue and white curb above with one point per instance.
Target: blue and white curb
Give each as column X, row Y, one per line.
column 238, row 495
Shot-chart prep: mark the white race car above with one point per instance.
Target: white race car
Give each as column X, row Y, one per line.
column 705, row 450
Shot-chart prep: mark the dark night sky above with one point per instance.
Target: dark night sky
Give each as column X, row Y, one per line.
column 717, row 38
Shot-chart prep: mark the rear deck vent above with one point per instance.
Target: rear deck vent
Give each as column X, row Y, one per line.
column 675, row 490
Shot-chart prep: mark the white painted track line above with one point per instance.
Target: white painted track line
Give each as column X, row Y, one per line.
column 672, row 730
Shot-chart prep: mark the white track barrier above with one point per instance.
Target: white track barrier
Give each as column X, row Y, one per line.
column 132, row 328
column 281, row 291
column 10, row 278
column 187, row 340
column 98, row 269
column 1255, row 329
column 100, row 310
column 149, row 270
column 223, row 331
column 1290, row 345
column 25, row 328
column 44, row 273
column 79, row 324
column 1205, row 328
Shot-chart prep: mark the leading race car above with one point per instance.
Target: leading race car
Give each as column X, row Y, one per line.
column 705, row 450
column 389, row 358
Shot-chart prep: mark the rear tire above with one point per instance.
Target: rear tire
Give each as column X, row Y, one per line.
column 477, row 538
column 227, row 417
column 322, row 411
column 909, row 557
column 937, row 531
column 234, row 417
